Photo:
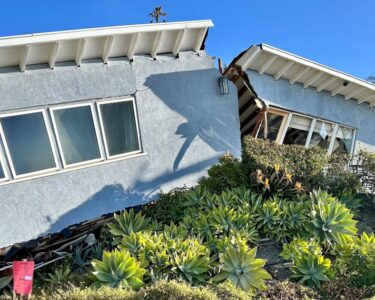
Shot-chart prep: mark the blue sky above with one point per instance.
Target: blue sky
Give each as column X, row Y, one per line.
column 337, row 33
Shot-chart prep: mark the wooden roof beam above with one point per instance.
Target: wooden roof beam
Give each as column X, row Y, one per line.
column 312, row 79
column 107, row 48
column 283, row 69
column 23, row 58
column 326, row 83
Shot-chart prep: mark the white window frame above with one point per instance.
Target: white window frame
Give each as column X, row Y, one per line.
column 125, row 99
column 3, row 165
column 59, row 144
column 286, row 122
column 49, row 134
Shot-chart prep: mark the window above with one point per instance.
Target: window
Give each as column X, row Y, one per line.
column 298, row 130
column 343, row 140
column 322, row 134
column 28, row 143
column 275, row 121
column 119, row 126
column 76, row 133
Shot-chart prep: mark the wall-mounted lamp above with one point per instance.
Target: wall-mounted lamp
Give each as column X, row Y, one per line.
column 223, row 80
column 224, row 85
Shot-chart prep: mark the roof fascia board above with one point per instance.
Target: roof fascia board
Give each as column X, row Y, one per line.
column 100, row 32
column 316, row 66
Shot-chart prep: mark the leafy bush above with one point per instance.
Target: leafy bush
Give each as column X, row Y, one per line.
column 240, row 266
column 225, row 175
column 118, row 270
column 162, row 290
column 357, row 263
column 306, row 165
column 287, row 290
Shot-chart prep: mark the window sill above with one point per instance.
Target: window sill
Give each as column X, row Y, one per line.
column 73, row 168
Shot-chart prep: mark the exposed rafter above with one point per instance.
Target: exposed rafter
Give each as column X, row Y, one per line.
column 312, row 79
column 326, row 83
column 156, row 44
column 102, row 43
column 283, row 69
column 53, row 55
column 353, row 93
column 339, row 89
column 267, row 64
column 298, row 75
column 80, row 50
column 180, row 38
column 23, row 58
column 252, row 57
column 133, row 46
column 200, row 38
column 107, row 48
column 368, row 98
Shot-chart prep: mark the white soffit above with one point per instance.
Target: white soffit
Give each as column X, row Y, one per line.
column 280, row 64
column 102, row 43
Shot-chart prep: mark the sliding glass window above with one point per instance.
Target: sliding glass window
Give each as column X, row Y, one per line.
column 76, row 133
column 27, row 143
column 119, row 126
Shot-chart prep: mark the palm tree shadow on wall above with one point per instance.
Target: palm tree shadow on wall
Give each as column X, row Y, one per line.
column 214, row 126
column 211, row 123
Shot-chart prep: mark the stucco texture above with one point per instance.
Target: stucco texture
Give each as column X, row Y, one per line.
column 294, row 97
column 185, row 125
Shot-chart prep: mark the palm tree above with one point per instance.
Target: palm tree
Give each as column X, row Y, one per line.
column 156, row 14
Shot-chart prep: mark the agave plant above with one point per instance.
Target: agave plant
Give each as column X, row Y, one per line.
column 300, row 247
column 331, row 220
column 311, row 269
column 118, row 270
column 222, row 219
column 269, row 215
column 59, row 276
column 173, row 231
column 202, row 227
column 133, row 242
column 195, row 197
column 126, row 223
column 191, row 267
column 242, row 268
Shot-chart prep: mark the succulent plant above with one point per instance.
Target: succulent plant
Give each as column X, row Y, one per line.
column 118, row 270
column 331, row 220
column 242, row 268
column 311, row 269
column 126, row 223
column 191, row 267
column 300, row 247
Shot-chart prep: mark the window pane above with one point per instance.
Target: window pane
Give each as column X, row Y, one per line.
column 298, row 130
column 2, row 175
column 119, row 127
column 322, row 135
column 28, row 142
column 343, row 141
column 274, row 123
column 77, row 135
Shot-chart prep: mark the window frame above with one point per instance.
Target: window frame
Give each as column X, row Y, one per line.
column 288, row 117
column 57, row 135
column 50, row 139
column 3, row 162
column 124, row 99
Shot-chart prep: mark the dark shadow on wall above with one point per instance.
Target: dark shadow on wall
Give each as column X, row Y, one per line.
column 209, row 116
column 211, row 122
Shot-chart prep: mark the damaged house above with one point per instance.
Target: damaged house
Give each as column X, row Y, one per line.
column 93, row 121
column 292, row 100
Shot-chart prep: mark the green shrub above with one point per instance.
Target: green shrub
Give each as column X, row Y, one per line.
column 357, row 263
column 168, row 208
column 287, row 290
column 306, row 165
column 225, row 175
column 162, row 290
column 300, row 247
